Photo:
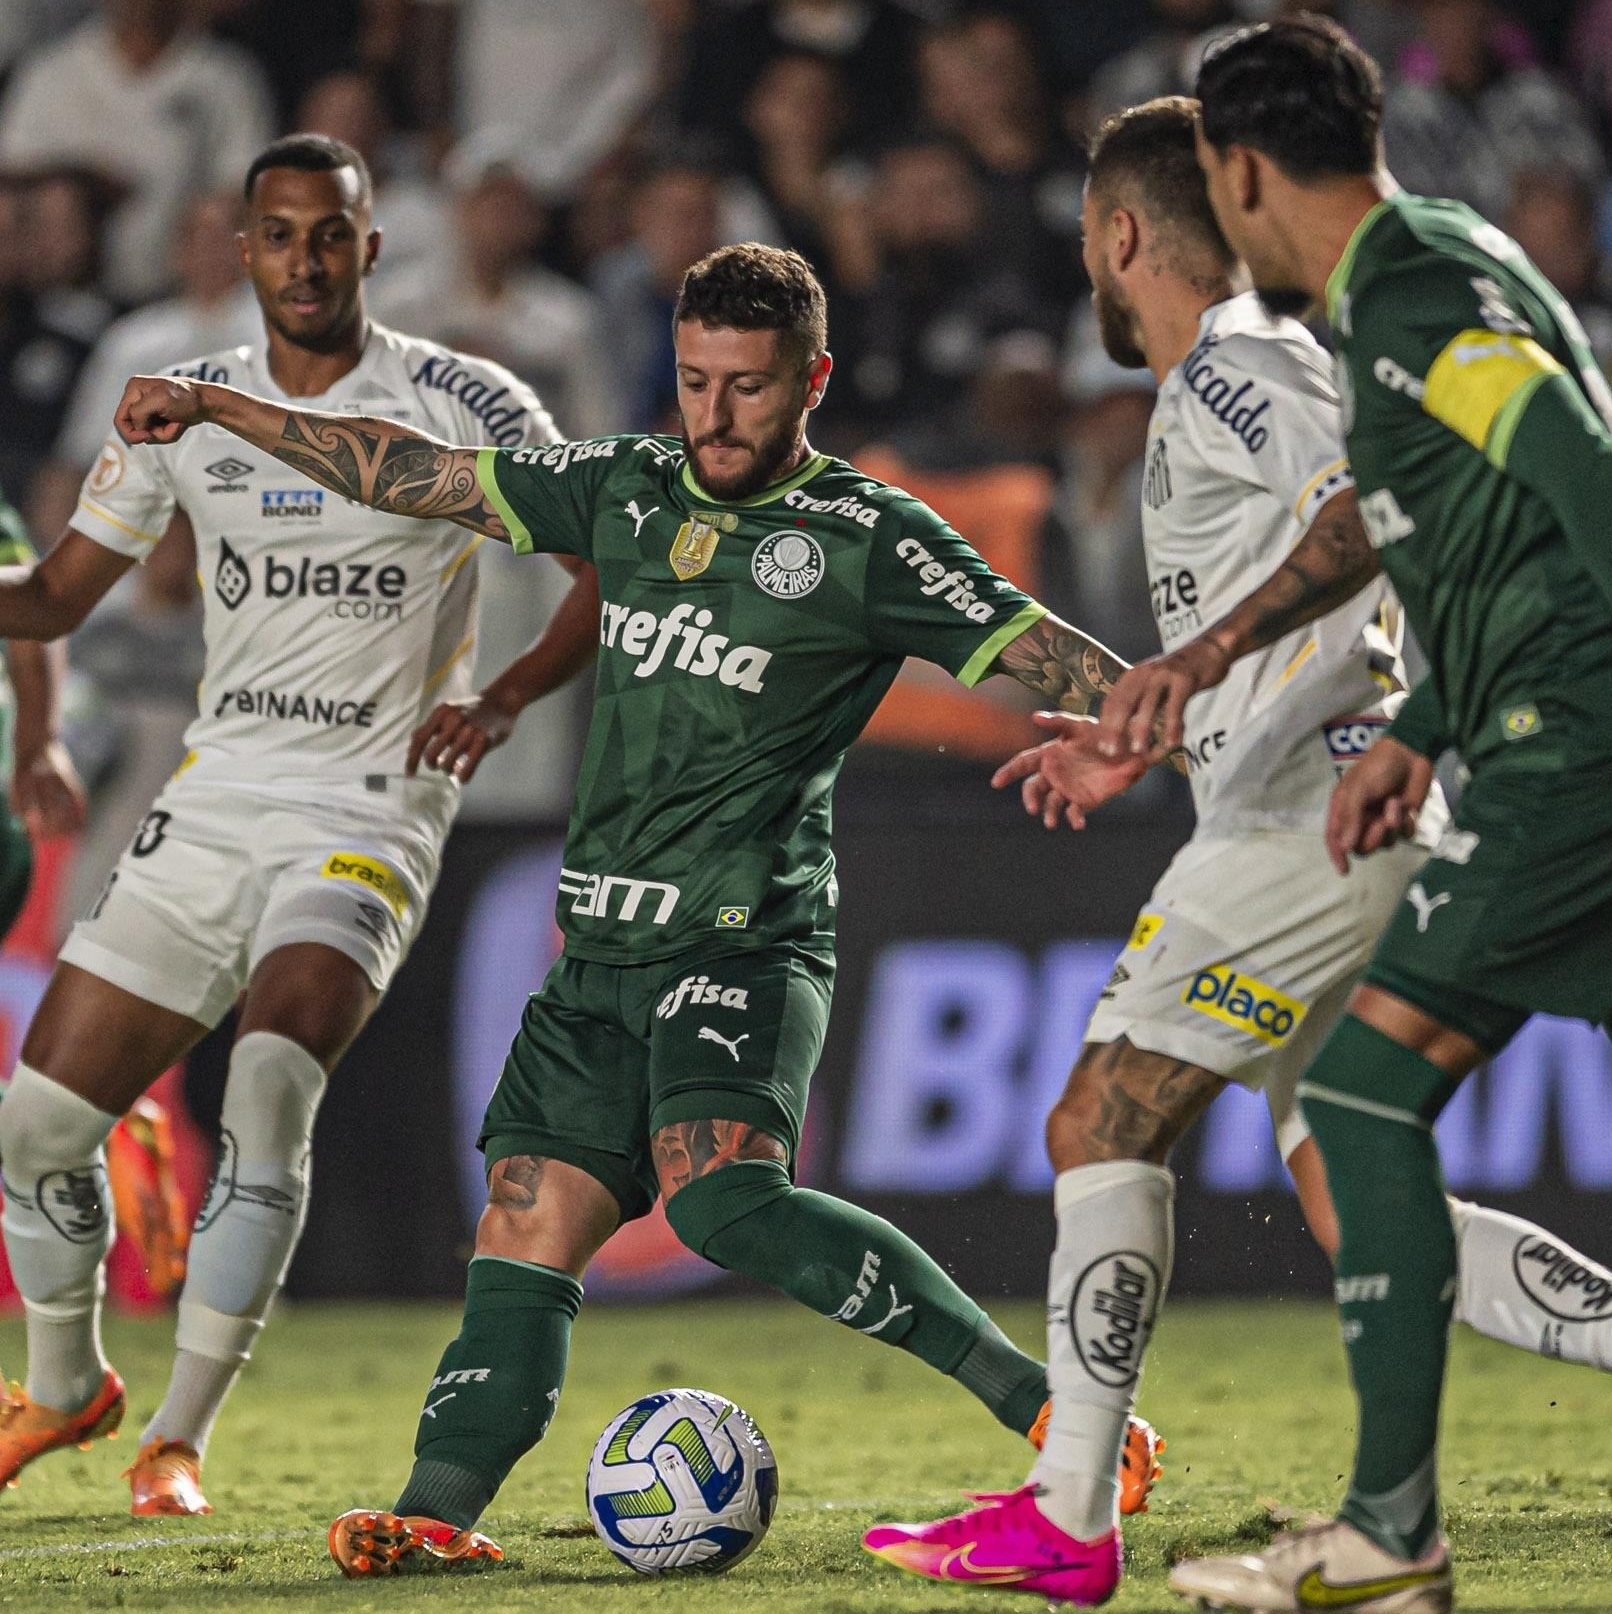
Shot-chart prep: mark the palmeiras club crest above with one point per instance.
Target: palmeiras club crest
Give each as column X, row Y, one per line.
column 787, row 565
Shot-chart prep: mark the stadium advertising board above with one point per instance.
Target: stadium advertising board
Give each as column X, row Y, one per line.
column 972, row 947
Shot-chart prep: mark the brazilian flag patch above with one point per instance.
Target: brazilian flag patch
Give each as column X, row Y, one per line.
column 732, row 918
column 1521, row 722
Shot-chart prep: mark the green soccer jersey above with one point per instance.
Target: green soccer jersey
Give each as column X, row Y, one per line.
column 15, row 550
column 1444, row 329
column 742, row 647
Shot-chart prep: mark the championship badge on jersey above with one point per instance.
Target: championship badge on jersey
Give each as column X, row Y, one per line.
column 696, row 541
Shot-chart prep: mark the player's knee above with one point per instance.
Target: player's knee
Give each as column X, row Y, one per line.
column 545, row 1211
column 702, row 1211
column 312, row 996
column 45, row 1126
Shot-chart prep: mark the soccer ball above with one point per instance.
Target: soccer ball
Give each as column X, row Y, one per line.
column 682, row 1480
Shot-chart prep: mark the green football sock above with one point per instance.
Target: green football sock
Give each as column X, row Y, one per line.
column 495, row 1389
column 859, row 1270
column 1371, row 1103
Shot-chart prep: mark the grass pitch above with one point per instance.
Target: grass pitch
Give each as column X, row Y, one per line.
column 1252, row 1398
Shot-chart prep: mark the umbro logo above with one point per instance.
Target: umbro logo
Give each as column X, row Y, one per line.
column 229, row 472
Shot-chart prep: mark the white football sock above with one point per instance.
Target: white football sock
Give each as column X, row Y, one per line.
column 58, row 1228
column 247, row 1229
column 1520, row 1285
column 1110, row 1267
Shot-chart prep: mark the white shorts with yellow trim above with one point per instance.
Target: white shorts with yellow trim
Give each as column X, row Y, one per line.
column 219, row 876
column 1245, row 956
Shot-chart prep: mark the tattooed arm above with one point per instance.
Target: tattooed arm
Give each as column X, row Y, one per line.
column 375, row 462
column 1065, row 668
column 1330, row 564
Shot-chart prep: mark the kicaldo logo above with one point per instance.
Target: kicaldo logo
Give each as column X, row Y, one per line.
column 1241, row 1001
column 371, row 873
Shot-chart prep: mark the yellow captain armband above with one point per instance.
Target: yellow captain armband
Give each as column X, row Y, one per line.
column 1481, row 383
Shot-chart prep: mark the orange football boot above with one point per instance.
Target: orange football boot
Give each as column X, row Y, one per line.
column 1139, row 1467
column 29, row 1429
column 150, row 1209
column 165, row 1477
column 369, row 1542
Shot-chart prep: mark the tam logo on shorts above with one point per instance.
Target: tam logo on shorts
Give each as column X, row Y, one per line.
column 371, row 874
column 1248, row 1005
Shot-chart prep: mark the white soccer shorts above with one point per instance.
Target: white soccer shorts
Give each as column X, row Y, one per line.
column 219, row 876
column 1245, row 956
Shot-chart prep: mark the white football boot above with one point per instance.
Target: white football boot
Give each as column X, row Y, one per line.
column 1325, row 1566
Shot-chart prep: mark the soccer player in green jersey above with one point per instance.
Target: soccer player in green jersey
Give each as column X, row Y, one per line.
column 1480, row 436
column 758, row 599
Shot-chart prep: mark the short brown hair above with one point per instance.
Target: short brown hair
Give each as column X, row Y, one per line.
column 1150, row 152
column 750, row 287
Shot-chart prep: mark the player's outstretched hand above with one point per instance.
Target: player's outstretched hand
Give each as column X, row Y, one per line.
column 157, row 409
column 1067, row 777
column 1377, row 801
column 458, row 734
column 47, row 794
column 1143, row 715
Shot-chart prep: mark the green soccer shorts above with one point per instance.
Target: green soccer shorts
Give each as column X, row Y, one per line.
column 16, row 869
column 607, row 1055
column 1512, row 915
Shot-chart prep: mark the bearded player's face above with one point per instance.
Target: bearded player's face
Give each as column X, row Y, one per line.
column 307, row 246
column 743, row 397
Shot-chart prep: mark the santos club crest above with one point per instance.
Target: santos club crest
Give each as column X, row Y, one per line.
column 787, row 565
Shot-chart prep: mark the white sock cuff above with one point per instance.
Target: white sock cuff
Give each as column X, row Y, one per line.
column 216, row 1334
column 1081, row 1182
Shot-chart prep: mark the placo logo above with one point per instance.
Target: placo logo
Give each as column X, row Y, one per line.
column 1241, row 1001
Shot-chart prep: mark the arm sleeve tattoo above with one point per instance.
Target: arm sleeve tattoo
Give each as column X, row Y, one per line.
column 1063, row 666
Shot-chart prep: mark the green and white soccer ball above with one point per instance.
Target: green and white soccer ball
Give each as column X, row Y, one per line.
column 682, row 1480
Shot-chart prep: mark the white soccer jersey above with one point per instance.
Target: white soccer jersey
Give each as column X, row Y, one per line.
column 1244, row 447
column 331, row 629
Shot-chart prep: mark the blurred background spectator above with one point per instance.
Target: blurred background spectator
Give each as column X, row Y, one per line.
column 160, row 109
column 546, row 170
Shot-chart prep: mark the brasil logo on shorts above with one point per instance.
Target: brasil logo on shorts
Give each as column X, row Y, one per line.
column 1244, row 1003
column 370, row 873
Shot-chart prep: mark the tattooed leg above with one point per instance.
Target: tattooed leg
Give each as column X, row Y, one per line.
column 498, row 1383
column 1108, row 1137
column 729, row 1197
column 1124, row 1103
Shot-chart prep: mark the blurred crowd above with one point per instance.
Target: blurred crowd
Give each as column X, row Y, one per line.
column 547, row 169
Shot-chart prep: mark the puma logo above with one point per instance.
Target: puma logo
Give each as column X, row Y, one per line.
column 638, row 519
column 896, row 1310
column 430, row 1408
column 708, row 1035
column 1425, row 905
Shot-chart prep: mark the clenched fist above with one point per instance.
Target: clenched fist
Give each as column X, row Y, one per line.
column 158, row 409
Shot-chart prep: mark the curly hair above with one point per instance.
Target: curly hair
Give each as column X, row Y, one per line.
column 750, row 287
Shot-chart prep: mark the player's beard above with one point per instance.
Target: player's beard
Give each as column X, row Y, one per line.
column 1116, row 323
column 768, row 457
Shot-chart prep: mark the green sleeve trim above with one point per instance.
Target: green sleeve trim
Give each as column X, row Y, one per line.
column 978, row 664
column 16, row 552
column 520, row 539
column 1498, row 449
